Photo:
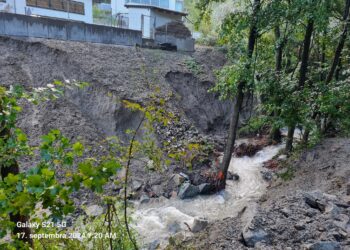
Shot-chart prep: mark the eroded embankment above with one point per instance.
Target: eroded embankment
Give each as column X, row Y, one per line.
column 115, row 73
column 309, row 211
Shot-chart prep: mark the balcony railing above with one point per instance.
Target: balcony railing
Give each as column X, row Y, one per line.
column 157, row 3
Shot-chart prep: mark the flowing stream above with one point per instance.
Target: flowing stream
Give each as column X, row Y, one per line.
column 161, row 218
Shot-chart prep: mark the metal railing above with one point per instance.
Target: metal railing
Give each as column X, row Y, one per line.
column 122, row 21
column 157, row 3
column 58, row 5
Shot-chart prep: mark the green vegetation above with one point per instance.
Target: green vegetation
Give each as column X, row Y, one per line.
column 62, row 167
column 294, row 56
column 193, row 66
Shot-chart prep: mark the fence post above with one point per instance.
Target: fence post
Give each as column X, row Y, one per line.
column 142, row 28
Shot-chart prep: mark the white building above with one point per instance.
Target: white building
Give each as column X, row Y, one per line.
column 146, row 15
column 78, row 10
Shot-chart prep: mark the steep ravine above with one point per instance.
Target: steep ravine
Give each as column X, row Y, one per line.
column 281, row 219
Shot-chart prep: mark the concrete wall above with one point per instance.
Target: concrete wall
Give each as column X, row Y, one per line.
column 28, row 26
column 118, row 6
column 182, row 44
column 164, row 18
column 20, row 7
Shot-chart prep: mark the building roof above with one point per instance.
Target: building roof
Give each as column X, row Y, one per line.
column 175, row 12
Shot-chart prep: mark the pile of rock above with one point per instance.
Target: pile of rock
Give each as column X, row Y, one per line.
column 309, row 220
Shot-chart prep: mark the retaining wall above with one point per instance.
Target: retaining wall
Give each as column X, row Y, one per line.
column 182, row 44
column 42, row 27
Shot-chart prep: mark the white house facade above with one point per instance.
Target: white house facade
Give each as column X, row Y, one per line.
column 147, row 15
column 77, row 10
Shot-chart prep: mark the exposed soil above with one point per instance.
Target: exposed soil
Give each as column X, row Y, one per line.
column 309, row 211
column 287, row 217
column 117, row 73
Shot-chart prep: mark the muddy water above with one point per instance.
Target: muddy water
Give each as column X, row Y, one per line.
column 160, row 219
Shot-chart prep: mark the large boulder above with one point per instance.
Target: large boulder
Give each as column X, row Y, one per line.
column 325, row 245
column 187, row 190
column 206, row 188
column 199, row 224
column 251, row 236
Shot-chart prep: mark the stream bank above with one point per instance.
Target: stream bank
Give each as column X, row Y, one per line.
column 310, row 210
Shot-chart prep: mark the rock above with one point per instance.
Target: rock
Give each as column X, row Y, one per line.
column 187, row 190
column 325, row 245
column 315, row 200
column 286, row 212
column 282, row 157
column 94, row 210
column 173, row 195
column 154, row 245
column 178, row 179
column 158, row 190
column 185, row 176
column 339, row 235
column 267, row 176
column 300, row 226
column 231, row 176
column 253, row 236
column 136, row 185
column 348, row 189
column 206, row 188
column 144, row 199
column 199, row 224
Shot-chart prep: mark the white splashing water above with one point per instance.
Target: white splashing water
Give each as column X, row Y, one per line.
column 160, row 219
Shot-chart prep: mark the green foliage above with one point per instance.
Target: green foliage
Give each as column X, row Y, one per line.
column 191, row 153
column 315, row 107
column 193, row 66
column 287, row 175
column 62, row 168
column 255, row 125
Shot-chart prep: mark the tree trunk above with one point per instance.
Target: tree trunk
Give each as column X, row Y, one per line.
column 302, row 76
column 337, row 56
column 275, row 133
column 238, row 103
column 341, row 43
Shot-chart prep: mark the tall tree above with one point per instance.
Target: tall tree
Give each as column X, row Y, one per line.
column 253, row 33
column 275, row 133
column 302, row 76
column 341, row 43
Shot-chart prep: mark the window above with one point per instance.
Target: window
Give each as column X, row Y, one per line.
column 179, row 5
column 60, row 5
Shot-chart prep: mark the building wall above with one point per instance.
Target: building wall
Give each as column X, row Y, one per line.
column 164, row 18
column 20, row 7
column 135, row 19
column 118, row 6
column 182, row 44
column 41, row 27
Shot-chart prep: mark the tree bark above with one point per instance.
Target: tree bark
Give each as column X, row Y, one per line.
column 337, row 56
column 302, row 77
column 341, row 43
column 238, row 102
column 275, row 133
